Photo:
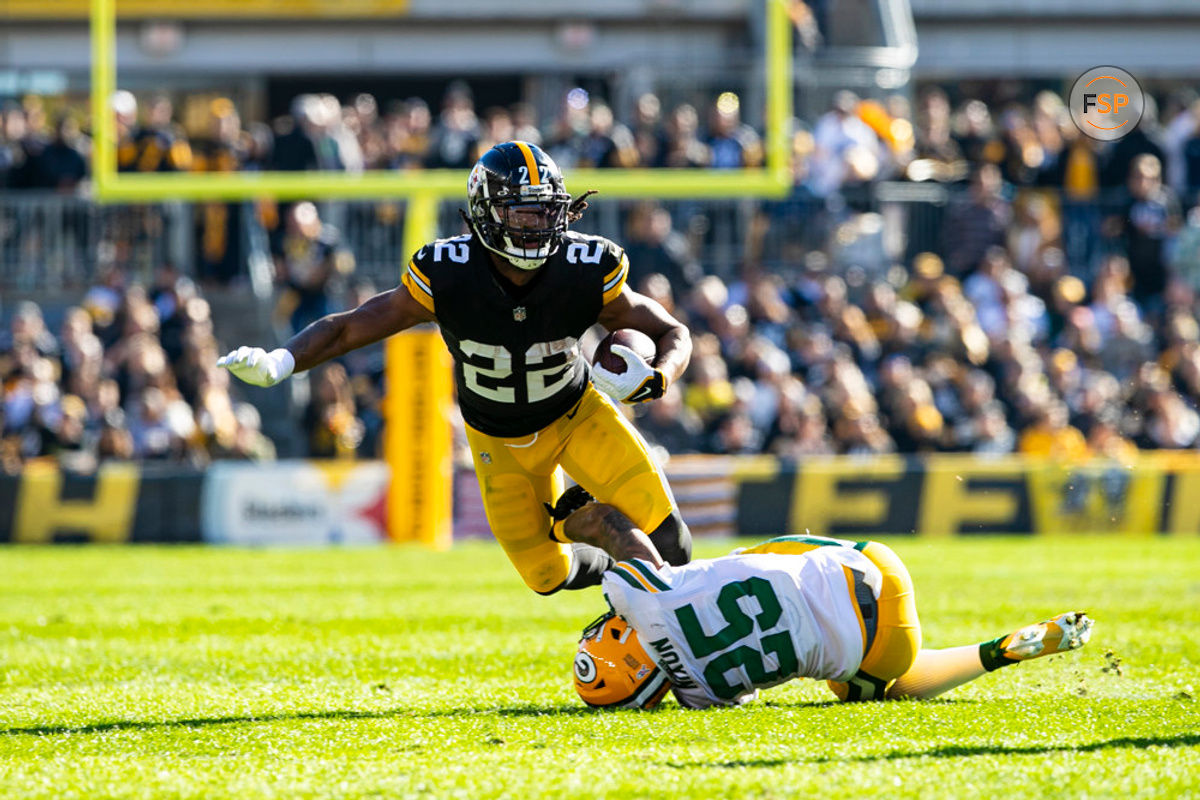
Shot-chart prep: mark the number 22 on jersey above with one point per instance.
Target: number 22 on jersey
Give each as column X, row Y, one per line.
column 489, row 371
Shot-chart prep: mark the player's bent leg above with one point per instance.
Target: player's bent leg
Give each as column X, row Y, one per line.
column 673, row 540
column 607, row 456
column 515, row 484
column 897, row 634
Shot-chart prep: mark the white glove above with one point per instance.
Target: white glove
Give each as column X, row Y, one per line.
column 258, row 367
column 639, row 382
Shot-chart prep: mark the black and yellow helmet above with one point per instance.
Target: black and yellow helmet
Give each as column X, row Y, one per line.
column 613, row 670
column 517, row 203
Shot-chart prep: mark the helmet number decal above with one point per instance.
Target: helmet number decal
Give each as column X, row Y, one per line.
column 543, row 173
column 577, row 253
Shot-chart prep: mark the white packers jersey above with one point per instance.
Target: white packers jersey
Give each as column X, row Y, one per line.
column 722, row 628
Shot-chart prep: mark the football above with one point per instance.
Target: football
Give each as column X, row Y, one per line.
column 635, row 340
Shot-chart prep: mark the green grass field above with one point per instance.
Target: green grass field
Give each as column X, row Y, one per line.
column 207, row 673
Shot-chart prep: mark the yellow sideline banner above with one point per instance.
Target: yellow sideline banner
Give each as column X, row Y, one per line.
column 210, row 9
column 956, row 494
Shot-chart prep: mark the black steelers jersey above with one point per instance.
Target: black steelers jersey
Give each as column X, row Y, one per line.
column 517, row 364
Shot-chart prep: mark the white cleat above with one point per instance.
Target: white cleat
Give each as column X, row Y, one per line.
column 1059, row 634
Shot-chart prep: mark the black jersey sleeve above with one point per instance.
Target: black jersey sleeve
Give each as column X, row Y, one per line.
column 608, row 258
column 416, row 279
column 616, row 271
column 420, row 276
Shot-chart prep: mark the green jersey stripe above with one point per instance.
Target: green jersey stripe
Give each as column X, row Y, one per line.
column 655, row 581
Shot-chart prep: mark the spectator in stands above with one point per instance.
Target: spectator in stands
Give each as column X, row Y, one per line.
column 846, row 150
column 61, row 165
column 299, row 137
column 655, row 247
column 14, row 156
column 731, row 144
column 670, row 425
column 1150, row 220
column 937, row 155
column 525, row 123
column 455, row 138
column 990, row 433
column 1144, row 140
column 497, row 127
column 334, row 429
column 684, row 147
column 977, row 224
column 1170, row 422
column 409, row 135
column 307, row 261
column 158, row 145
column 649, row 137
column 608, row 143
column 1052, row 436
column 219, row 225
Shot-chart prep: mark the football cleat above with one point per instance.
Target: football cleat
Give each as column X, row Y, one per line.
column 1059, row 634
column 612, row 669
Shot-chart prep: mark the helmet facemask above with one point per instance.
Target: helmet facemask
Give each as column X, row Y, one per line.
column 524, row 230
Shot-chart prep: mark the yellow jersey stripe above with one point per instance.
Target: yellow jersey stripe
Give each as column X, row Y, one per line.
column 420, row 293
column 623, row 570
column 413, row 266
column 616, row 270
column 613, row 287
column 535, row 179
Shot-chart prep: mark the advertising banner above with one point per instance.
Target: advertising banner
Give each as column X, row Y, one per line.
column 296, row 503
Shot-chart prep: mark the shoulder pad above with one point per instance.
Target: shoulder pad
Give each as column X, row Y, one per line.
column 579, row 248
column 454, row 250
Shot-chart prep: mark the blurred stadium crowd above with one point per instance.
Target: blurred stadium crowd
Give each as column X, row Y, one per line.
column 1059, row 319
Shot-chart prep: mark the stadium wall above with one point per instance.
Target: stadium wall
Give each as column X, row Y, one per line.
column 322, row 503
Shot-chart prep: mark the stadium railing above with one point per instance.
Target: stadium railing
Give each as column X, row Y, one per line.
column 50, row 242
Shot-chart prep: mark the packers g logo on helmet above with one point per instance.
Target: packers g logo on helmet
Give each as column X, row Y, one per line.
column 517, row 203
column 612, row 670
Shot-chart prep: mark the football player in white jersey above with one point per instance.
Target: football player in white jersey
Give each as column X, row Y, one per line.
column 715, row 631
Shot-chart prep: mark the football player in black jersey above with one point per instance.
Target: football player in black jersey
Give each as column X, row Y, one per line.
column 511, row 299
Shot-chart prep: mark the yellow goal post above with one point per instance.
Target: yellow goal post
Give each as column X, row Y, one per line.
column 416, row 368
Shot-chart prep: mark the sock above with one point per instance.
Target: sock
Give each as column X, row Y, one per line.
column 992, row 654
column 938, row 671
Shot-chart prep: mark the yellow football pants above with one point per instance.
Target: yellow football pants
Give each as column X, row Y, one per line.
column 898, row 629
column 599, row 449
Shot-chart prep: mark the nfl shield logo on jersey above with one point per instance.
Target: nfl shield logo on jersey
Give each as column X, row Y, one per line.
column 485, row 457
column 519, row 313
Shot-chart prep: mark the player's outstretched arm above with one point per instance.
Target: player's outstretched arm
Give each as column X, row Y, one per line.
column 603, row 526
column 630, row 309
column 329, row 337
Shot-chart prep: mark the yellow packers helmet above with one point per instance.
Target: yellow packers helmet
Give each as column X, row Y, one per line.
column 612, row 669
